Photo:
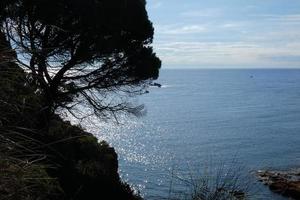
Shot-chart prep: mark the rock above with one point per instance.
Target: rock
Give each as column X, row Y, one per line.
column 286, row 183
column 156, row 85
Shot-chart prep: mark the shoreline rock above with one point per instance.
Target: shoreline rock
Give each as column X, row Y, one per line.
column 286, row 183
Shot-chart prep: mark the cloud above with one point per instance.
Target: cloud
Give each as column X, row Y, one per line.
column 231, row 25
column 227, row 54
column 280, row 19
column 284, row 58
column 212, row 12
column 183, row 29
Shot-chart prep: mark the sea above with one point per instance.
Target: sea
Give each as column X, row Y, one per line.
column 205, row 122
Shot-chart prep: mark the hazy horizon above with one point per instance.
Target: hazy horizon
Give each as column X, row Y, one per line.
column 172, row 67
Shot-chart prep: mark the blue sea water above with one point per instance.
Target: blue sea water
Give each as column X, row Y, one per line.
column 207, row 118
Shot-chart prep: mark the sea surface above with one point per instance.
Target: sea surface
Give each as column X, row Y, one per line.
column 201, row 121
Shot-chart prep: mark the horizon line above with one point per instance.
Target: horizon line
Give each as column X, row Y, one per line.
column 232, row 68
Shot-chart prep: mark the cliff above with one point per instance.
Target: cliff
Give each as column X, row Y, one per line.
column 51, row 161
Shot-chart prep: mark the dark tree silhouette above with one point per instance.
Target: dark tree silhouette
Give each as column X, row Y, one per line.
column 87, row 52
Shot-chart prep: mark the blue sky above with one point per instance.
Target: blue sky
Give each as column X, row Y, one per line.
column 226, row 33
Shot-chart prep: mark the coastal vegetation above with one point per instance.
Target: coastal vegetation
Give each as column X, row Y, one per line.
column 55, row 55
column 55, row 161
column 212, row 183
column 96, row 53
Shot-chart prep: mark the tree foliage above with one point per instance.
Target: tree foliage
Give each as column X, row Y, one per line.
column 53, row 160
column 92, row 52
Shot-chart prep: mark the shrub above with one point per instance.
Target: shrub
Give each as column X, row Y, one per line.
column 213, row 184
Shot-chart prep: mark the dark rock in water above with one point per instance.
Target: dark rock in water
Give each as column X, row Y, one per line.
column 156, row 85
column 286, row 183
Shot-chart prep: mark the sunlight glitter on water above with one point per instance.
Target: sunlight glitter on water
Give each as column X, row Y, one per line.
column 129, row 137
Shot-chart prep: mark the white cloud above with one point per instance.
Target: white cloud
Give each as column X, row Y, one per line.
column 177, row 30
column 226, row 54
column 280, row 19
column 231, row 25
column 212, row 12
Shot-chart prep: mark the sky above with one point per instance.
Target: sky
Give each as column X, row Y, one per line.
column 226, row 33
